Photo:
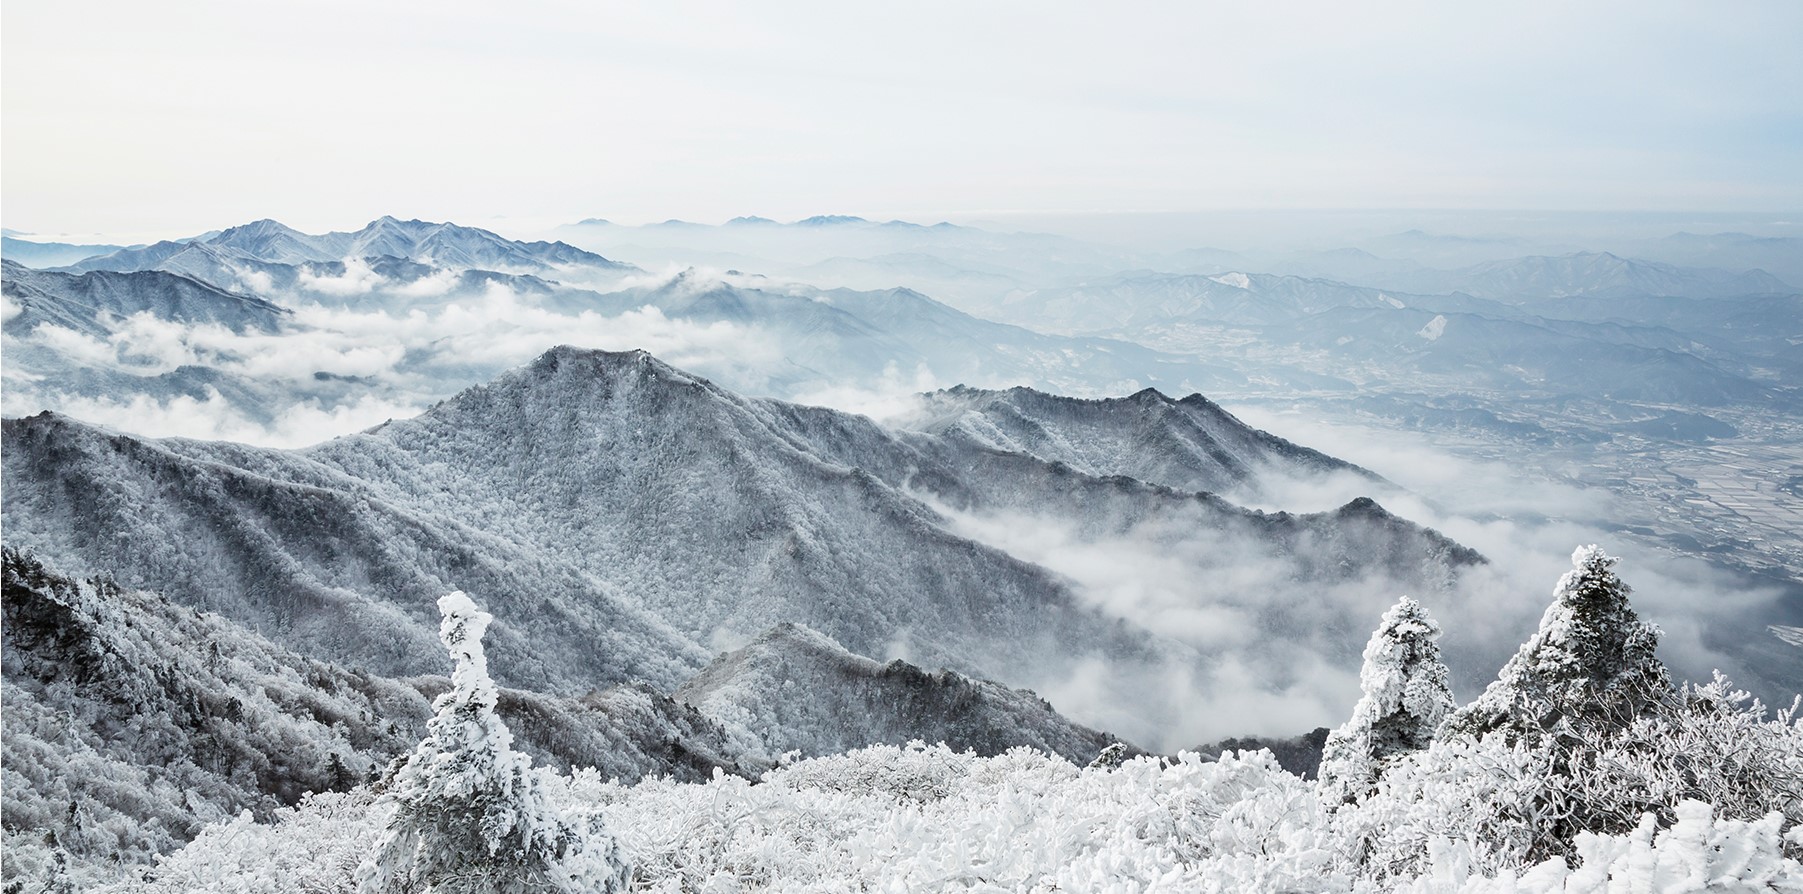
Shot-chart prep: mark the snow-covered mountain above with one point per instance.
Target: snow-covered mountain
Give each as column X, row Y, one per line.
column 628, row 520
column 134, row 720
column 794, row 689
column 406, row 334
column 439, row 244
column 94, row 303
column 1188, row 444
column 33, row 253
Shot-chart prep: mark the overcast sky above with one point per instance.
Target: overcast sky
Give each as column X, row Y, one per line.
column 171, row 118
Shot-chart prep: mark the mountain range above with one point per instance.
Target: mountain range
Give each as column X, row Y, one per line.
column 629, row 520
column 441, row 244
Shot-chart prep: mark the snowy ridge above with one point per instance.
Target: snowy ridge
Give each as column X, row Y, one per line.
column 1188, row 444
column 92, row 303
column 794, row 689
column 442, row 244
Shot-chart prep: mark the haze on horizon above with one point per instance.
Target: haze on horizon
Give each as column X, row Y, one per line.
column 126, row 120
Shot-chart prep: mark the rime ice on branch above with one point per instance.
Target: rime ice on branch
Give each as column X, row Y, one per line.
column 1405, row 698
column 1592, row 663
column 473, row 815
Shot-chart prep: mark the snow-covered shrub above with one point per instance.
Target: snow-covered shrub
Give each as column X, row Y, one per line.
column 1405, row 697
column 1698, row 791
column 314, row 846
column 473, row 815
column 1698, row 852
column 1582, row 734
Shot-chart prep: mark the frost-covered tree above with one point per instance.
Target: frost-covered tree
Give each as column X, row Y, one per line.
column 1405, row 697
column 473, row 815
column 1589, row 669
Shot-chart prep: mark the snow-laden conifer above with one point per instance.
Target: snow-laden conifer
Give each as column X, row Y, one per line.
column 1405, row 699
column 473, row 815
column 1589, row 669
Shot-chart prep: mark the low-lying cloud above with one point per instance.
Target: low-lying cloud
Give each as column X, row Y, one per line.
column 399, row 360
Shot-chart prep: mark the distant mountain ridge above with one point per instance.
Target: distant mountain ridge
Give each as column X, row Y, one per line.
column 32, row 253
column 444, row 244
column 84, row 302
column 794, row 689
column 1591, row 274
column 1188, row 444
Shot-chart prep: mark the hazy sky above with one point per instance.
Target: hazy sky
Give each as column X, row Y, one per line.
column 162, row 119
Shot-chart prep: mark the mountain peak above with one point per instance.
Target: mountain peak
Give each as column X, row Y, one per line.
column 265, row 226
column 567, row 366
column 823, row 220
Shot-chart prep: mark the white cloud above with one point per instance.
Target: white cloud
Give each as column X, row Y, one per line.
column 357, row 279
column 892, row 395
column 402, row 359
column 214, row 418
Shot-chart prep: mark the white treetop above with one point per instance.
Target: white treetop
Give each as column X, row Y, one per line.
column 1405, row 697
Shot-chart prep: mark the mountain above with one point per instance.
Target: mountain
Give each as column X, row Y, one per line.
column 1781, row 256
column 1188, row 444
column 847, row 337
column 794, row 689
column 437, row 244
column 1587, row 274
column 276, row 242
column 94, row 302
column 627, row 520
column 130, row 260
column 49, row 254
column 133, row 720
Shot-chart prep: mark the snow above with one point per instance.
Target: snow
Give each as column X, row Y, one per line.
column 1435, row 328
column 1701, row 795
column 924, row 818
column 1236, row 280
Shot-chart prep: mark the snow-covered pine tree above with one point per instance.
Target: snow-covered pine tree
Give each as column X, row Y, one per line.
column 1589, row 670
column 1405, row 697
column 472, row 815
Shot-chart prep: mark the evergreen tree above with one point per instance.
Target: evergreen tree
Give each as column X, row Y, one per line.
column 1588, row 671
column 473, row 815
column 1405, row 697
column 1580, row 696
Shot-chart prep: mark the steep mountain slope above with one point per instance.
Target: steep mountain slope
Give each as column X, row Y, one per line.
column 795, row 689
column 626, row 520
column 132, row 720
column 1188, row 444
column 130, row 260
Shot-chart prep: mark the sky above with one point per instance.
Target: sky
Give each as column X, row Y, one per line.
column 136, row 119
